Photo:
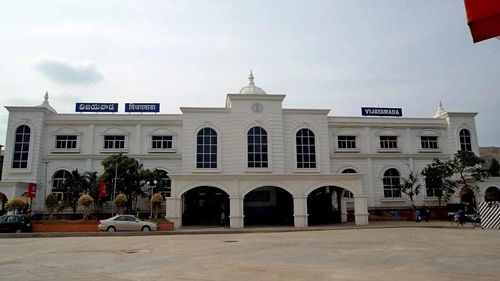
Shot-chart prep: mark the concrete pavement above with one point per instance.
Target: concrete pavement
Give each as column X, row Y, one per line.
column 380, row 251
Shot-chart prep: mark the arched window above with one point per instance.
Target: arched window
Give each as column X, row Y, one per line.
column 257, row 148
column 347, row 193
column 306, row 150
column 166, row 183
column 58, row 179
column 206, row 149
column 21, row 147
column 465, row 143
column 391, row 183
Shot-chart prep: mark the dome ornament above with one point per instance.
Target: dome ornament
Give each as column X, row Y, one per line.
column 440, row 111
column 251, row 89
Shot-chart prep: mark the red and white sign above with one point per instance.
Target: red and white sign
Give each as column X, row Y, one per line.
column 31, row 190
column 102, row 189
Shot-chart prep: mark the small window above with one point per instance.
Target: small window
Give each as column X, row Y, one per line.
column 429, row 142
column 161, row 142
column 465, row 141
column 66, row 142
column 114, row 142
column 388, row 142
column 429, row 192
column 346, row 142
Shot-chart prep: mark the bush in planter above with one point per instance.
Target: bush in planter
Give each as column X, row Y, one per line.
column 156, row 202
column 15, row 205
column 85, row 201
column 120, row 202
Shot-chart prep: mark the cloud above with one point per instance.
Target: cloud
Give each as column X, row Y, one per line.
column 64, row 72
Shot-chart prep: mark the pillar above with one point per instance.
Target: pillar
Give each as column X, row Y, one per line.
column 300, row 211
column 360, row 209
column 236, row 216
column 174, row 211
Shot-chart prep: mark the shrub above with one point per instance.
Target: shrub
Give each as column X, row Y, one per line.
column 85, row 201
column 16, row 205
column 120, row 202
column 156, row 202
column 51, row 203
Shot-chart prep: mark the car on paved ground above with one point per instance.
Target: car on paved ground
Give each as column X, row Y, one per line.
column 126, row 223
column 15, row 223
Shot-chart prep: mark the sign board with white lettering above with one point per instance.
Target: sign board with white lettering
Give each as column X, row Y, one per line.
column 378, row 111
column 96, row 107
column 142, row 107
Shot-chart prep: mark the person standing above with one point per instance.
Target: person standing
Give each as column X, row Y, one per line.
column 417, row 216
column 427, row 215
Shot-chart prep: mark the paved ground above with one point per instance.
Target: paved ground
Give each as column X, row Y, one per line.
column 381, row 251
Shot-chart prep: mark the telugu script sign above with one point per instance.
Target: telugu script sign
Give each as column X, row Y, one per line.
column 377, row 111
column 96, row 107
column 142, row 107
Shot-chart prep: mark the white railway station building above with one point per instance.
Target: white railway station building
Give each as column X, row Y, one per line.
column 253, row 159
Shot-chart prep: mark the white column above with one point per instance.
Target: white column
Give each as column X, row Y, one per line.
column 300, row 211
column 236, row 216
column 360, row 209
column 343, row 207
column 174, row 210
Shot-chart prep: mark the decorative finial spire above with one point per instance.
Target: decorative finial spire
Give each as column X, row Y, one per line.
column 440, row 111
column 46, row 98
column 250, row 79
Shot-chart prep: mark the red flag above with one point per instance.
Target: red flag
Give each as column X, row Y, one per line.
column 102, row 189
column 483, row 18
column 31, row 190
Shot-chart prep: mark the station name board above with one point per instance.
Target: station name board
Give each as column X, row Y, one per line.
column 378, row 111
column 96, row 107
column 142, row 107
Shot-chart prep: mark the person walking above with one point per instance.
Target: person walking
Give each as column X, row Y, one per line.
column 417, row 216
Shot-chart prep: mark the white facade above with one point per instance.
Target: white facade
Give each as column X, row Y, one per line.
column 368, row 146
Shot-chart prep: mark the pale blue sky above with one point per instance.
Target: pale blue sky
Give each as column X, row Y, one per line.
column 335, row 54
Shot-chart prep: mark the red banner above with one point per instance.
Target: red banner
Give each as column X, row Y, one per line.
column 102, row 189
column 483, row 18
column 31, row 190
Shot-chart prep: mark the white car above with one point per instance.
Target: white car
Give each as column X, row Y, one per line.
column 126, row 223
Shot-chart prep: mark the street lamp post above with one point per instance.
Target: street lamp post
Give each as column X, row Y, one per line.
column 151, row 199
column 45, row 183
column 114, row 191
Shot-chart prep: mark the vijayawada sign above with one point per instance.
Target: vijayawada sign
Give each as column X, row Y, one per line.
column 378, row 111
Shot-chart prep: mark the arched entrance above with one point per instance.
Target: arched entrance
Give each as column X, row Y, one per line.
column 204, row 205
column 323, row 205
column 3, row 201
column 268, row 205
column 492, row 194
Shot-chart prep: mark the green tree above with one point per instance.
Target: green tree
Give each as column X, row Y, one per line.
column 411, row 185
column 85, row 201
column 156, row 202
column 73, row 187
column 15, row 205
column 436, row 176
column 129, row 177
column 468, row 170
column 51, row 203
column 494, row 169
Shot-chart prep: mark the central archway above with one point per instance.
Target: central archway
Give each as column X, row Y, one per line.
column 204, row 205
column 268, row 205
column 324, row 205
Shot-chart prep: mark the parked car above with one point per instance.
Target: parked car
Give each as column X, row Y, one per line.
column 126, row 223
column 15, row 223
